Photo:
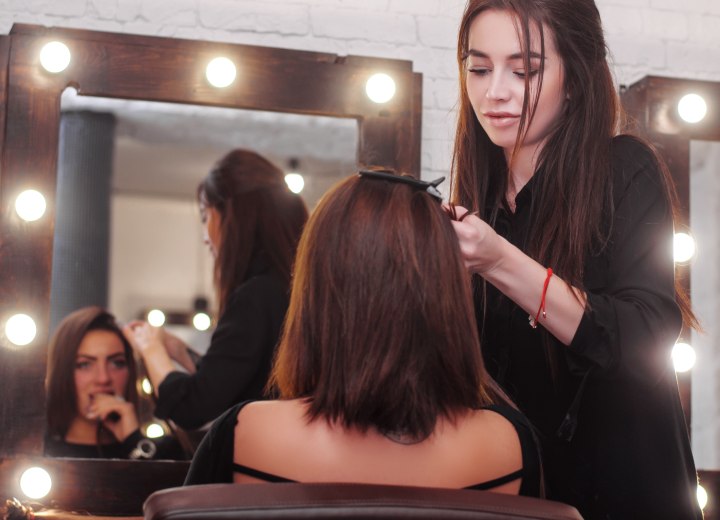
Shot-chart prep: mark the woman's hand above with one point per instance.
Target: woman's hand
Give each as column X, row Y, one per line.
column 143, row 336
column 148, row 342
column 115, row 413
column 481, row 247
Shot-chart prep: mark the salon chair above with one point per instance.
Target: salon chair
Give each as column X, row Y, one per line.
column 349, row 501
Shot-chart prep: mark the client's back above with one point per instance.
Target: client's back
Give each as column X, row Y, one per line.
column 379, row 367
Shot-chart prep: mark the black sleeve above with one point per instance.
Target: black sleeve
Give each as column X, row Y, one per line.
column 212, row 462
column 238, row 358
column 632, row 318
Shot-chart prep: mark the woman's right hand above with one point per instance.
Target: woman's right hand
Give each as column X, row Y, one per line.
column 115, row 413
column 480, row 246
column 141, row 336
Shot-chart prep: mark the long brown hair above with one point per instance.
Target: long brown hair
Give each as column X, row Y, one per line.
column 258, row 213
column 380, row 329
column 62, row 353
column 572, row 199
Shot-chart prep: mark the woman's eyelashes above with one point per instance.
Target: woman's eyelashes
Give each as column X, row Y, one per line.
column 119, row 363
column 484, row 71
column 82, row 365
column 479, row 71
column 116, row 363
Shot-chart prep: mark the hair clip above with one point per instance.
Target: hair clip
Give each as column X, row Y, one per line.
column 429, row 186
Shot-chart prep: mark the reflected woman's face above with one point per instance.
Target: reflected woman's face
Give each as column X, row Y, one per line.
column 100, row 368
column 211, row 219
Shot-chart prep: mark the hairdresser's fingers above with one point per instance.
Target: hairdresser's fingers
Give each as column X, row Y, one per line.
column 479, row 244
column 466, row 214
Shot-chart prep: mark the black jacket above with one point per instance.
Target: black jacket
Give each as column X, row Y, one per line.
column 613, row 432
column 236, row 366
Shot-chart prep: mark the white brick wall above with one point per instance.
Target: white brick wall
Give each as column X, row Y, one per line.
column 661, row 37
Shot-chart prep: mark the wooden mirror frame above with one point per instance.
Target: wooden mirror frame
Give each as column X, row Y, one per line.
column 155, row 69
column 652, row 103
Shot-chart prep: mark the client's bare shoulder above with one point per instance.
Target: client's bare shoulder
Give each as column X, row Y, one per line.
column 275, row 437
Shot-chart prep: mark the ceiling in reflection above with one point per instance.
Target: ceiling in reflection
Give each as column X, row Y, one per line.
column 163, row 149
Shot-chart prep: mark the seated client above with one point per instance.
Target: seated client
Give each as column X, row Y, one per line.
column 91, row 393
column 379, row 369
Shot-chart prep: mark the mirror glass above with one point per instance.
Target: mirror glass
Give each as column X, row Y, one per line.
column 705, row 290
column 148, row 252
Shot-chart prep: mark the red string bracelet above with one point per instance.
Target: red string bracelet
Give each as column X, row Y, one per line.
column 534, row 321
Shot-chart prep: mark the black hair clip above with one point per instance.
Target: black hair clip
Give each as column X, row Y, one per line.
column 429, row 186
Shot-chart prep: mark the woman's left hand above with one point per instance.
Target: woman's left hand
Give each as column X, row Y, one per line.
column 480, row 245
column 115, row 413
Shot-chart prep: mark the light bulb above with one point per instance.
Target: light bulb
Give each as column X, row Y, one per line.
column 30, row 205
column 156, row 318
column 692, row 108
column 201, row 321
column 154, row 431
column 683, row 247
column 295, row 182
column 702, row 496
column 55, row 57
column 35, row 483
column 20, row 329
column 683, row 356
column 221, row 72
column 380, row 88
column 146, row 386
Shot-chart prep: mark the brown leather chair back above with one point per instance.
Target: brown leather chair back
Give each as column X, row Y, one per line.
column 348, row 501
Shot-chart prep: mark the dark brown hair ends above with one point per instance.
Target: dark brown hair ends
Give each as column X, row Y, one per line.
column 62, row 353
column 258, row 213
column 380, row 331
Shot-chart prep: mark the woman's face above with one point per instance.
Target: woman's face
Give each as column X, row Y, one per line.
column 211, row 218
column 495, row 79
column 101, row 367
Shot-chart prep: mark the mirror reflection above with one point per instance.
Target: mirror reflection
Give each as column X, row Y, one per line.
column 704, row 212
column 132, row 236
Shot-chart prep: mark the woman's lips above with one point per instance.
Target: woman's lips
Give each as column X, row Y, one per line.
column 501, row 119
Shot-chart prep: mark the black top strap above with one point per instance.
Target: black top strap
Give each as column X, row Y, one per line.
column 498, row 481
column 256, row 473
column 529, row 446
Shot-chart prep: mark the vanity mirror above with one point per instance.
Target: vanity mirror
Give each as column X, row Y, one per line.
column 682, row 119
column 153, row 69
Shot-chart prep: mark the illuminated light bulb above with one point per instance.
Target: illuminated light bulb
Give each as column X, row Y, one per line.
column 146, row 386
column 35, row 483
column 683, row 356
column 55, row 57
column 30, row 205
column 692, row 108
column 154, row 431
column 221, row 72
column 380, row 88
column 295, row 182
column 156, row 318
column 20, row 329
column 702, row 496
column 683, row 247
column 201, row 321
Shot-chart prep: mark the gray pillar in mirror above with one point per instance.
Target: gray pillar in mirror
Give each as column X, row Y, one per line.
column 82, row 213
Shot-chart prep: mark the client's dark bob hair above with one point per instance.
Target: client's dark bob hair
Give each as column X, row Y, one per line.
column 380, row 331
